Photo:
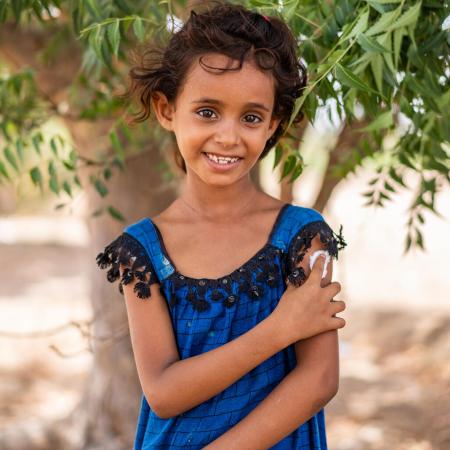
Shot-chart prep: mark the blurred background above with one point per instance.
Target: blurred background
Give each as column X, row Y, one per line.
column 72, row 176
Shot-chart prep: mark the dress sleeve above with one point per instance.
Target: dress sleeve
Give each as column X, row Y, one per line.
column 301, row 242
column 129, row 252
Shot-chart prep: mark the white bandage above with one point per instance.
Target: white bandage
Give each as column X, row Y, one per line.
column 315, row 255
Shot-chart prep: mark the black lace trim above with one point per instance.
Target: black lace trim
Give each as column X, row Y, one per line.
column 263, row 266
column 128, row 251
column 301, row 242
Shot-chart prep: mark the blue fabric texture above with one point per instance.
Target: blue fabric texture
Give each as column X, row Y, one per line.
column 207, row 314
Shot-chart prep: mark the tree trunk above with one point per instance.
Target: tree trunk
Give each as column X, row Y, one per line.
column 346, row 142
column 105, row 417
column 110, row 402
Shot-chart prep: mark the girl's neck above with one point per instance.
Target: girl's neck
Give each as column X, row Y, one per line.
column 220, row 203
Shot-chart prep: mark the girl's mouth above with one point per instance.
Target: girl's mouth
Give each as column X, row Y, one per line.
column 221, row 164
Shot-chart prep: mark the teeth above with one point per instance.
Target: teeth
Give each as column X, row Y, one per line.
column 221, row 160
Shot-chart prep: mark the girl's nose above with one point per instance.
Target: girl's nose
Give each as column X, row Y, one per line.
column 227, row 136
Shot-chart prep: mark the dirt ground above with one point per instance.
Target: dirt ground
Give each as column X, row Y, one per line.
column 395, row 364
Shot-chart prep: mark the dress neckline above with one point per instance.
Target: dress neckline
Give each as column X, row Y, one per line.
column 248, row 262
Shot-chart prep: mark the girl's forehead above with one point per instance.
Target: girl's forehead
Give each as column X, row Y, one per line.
column 244, row 84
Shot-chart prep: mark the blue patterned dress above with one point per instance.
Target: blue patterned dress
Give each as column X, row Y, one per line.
column 208, row 313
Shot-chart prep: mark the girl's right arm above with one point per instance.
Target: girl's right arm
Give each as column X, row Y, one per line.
column 173, row 386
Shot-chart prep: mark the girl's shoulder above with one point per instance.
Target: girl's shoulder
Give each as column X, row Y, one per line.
column 137, row 250
column 299, row 227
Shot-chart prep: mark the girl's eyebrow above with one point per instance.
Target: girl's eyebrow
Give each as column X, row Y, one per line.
column 218, row 102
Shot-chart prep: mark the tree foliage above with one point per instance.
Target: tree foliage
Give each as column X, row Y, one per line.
column 381, row 62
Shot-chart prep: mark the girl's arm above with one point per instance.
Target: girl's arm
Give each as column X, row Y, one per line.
column 299, row 396
column 173, row 386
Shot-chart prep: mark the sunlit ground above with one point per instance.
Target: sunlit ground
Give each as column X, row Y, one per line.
column 395, row 350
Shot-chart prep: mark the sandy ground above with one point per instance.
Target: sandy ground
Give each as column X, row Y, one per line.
column 395, row 350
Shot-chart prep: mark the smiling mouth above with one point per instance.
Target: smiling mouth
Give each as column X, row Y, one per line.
column 222, row 159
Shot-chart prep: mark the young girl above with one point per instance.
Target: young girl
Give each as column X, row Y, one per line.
column 234, row 336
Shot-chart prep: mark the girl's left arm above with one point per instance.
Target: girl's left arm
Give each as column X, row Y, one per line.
column 298, row 397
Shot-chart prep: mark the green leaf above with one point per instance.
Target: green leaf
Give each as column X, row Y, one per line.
column 68, row 165
column 408, row 242
column 408, row 19
column 376, row 65
column 384, row 120
column 296, row 172
column 107, row 173
column 106, row 55
column 17, row 7
column 36, row 140
column 100, row 187
column 278, row 155
column 3, row 11
column 115, row 213
column 123, row 6
column 384, row 22
column 51, row 168
column 298, row 104
column 346, row 77
column 386, row 41
column 36, row 176
column 138, row 28
column 389, row 187
column 53, row 184
column 76, row 180
column 3, row 171
column 117, row 145
column 114, row 36
column 119, row 163
column 289, row 9
column 94, row 11
column 67, row 188
column 20, row 149
column 370, row 45
column 53, row 146
column 288, row 165
column 73, row 156
column 419, row 239
column 9, row 155
column 95, row 41
column 361, row 25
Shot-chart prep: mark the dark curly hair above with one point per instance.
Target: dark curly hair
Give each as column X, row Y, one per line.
column 231, row 30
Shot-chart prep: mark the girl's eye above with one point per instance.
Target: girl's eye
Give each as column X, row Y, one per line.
column 255, row 117
column 207, row 111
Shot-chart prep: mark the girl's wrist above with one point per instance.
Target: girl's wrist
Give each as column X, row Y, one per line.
column 279, row 336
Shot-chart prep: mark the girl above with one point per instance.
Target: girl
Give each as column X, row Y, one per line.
column 236, row 345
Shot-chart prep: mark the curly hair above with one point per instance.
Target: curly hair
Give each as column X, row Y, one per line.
column 231, row 30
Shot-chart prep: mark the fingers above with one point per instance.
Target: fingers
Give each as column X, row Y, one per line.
column 333, row 288
column 339, row 322
column 317, row 268
column 337, row 306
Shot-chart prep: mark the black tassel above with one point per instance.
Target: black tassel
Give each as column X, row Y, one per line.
column 129, row 252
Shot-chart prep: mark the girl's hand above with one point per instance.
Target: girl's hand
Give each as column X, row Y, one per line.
column 309, row 309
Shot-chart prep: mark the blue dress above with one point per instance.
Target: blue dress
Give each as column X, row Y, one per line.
column 208, row 313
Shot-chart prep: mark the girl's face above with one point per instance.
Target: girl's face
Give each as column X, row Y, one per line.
column 224, row 114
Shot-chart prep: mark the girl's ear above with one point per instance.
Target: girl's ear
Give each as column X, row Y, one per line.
column 163, row 110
